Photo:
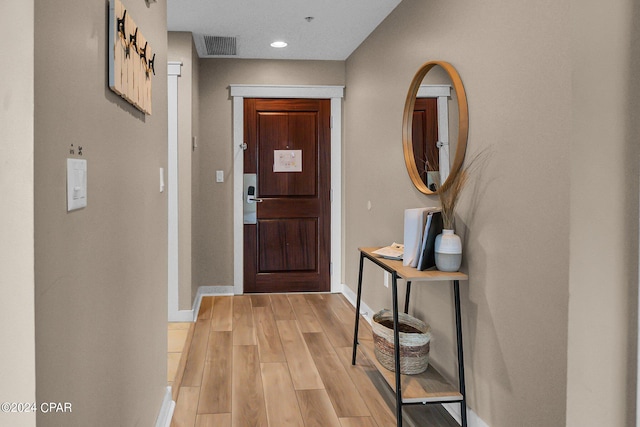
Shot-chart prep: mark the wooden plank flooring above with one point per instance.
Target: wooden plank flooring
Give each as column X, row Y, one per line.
column 285, row 360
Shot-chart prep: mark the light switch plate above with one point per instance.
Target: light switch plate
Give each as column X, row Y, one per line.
column 219, row 176
column 76, row 184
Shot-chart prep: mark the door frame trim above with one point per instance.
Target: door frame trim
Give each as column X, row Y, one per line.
column 335, row 94
column 175, row 314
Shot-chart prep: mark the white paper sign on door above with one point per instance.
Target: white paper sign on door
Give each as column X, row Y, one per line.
column 287, row 160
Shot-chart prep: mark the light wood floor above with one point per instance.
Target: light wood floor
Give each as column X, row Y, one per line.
column 178, row 334
column 284, row 360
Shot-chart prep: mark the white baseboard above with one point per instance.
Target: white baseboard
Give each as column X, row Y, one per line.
column 351, row 296
column 473, row 420
column 166, row 410
column 215, row 290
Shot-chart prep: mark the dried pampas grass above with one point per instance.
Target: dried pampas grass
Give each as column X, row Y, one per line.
column 449, row 198
column 450, row 193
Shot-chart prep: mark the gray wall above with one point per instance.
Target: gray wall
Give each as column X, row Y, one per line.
column 18, row 367
column 213, row 207
column 514, row 214
column 605, row 53
column 551, row 212
column 101, row 272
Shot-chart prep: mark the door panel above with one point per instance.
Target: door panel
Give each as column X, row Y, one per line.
column 288, row 249
column 288, row 245
column 284, row 131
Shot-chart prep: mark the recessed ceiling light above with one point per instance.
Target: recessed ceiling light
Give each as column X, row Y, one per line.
column 279, row 44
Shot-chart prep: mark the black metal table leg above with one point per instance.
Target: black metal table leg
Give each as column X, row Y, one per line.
column 391, row 268
column 406, row 298
column 463, row 403
column 396, row 348
column 357, row 322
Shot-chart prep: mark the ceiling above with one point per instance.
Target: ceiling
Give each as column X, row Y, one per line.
column 338, row 27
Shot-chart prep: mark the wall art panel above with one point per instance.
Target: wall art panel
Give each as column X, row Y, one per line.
column 131, row 59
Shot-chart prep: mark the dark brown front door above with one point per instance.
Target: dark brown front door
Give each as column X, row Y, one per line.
column 288, row 148
column 425, row 136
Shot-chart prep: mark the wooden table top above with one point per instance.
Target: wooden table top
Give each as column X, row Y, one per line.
column 410, row 273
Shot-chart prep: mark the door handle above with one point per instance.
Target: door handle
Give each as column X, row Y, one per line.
column 249, row 199
column 251, row 192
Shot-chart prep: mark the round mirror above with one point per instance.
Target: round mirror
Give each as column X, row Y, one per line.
column 435, row 113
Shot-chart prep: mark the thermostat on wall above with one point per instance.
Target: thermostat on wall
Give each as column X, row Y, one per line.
column 76, row 184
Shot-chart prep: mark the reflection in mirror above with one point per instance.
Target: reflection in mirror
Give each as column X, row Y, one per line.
column 425, row 140
column 435, row 108
column 434, row 118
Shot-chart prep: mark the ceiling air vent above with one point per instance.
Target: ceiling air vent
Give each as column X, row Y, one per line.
column 220, row 45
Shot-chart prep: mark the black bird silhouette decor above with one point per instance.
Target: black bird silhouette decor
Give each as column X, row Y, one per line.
column 151, row 65
column 121, row 24
column 123, row 34
column 142, row 51
column 133, row 40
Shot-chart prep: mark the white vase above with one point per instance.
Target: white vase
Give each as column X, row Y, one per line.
column 448, row 248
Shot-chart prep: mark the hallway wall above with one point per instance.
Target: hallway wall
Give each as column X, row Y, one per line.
column 604, row 214
column 513, row 58
column 550, row 219
column 100, row 272
column 18, row 368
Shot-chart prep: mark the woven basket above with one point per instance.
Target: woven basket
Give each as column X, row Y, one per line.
column 414, row 346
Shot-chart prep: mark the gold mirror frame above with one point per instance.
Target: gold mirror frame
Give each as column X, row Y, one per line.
column 407, row 124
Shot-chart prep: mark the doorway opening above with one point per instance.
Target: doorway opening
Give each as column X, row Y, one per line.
column 334, row 94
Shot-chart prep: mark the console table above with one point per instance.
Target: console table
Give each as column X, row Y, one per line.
column 430, row 386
